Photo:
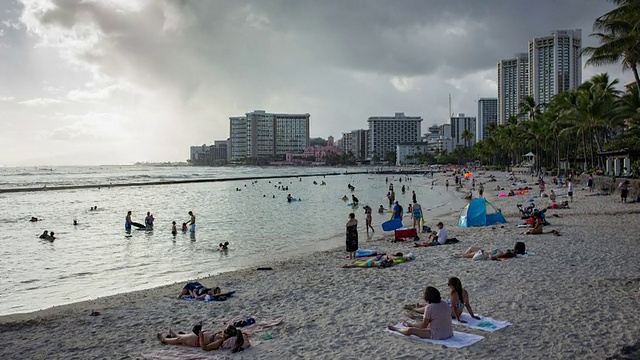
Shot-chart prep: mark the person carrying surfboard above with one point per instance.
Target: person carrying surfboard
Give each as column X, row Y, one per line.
column 397, row 211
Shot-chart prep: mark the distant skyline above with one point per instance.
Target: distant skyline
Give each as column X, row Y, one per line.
column 120, row 81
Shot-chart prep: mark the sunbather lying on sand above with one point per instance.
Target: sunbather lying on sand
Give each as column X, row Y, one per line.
column 197, row 291
column 477, row 253
column 537, row 227
column 381, row 261
column 230, row 338
column 457, row 305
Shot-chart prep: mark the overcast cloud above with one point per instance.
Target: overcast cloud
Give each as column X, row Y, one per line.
column 119, row 81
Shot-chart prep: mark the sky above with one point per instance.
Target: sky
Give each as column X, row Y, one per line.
column 120, row 81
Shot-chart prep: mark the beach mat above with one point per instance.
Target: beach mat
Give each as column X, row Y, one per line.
column 485, row 323
column 392, row 225
column 217, row 297
column 459, row 339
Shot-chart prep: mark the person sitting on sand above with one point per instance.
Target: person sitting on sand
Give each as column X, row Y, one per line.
column 459, row 299
column 439, row 237
column 44, row 234
column 197, row 291
column 436, row 323
column 230, row 338
column 381, row 261
column 538, row 225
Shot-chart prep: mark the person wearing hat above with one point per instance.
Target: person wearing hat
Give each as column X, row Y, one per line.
column 397, row 211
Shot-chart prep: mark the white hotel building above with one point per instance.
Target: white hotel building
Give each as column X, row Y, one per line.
column 259, row 134
column 555, row 64
column 513, row 86
column 487, row 114
column 386, row 132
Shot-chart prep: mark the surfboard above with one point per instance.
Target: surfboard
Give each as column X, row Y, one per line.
column 392, row 224
column 138, row 225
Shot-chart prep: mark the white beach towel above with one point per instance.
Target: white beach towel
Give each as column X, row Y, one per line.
column 458, row 340
column 485, row 323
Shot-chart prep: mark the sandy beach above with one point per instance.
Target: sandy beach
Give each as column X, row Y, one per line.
column 575, row 296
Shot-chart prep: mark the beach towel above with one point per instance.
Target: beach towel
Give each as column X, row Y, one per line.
column 458, row 340
column 220, row 297
column 485, row 323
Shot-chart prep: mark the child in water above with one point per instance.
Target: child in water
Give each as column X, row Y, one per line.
column 184, row 227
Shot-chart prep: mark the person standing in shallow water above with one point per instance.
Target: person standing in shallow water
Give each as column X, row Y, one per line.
column 127, row 221
column 352, row 236
column 192, row 222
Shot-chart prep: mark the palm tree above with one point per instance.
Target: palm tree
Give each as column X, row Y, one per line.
column 619, row 34
column 467, row 136
column 628, row 108
column 529, row 109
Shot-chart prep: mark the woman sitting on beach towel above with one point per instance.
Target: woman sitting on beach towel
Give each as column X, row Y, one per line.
column 231, row 338
column 436, row 323
column 457, row 305
column 381, row 261
column 197, row 291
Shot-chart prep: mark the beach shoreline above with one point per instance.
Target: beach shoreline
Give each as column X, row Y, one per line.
column 559, row 305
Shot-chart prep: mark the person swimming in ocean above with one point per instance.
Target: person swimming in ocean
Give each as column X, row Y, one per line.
column 174, row 229
column 184, row 227
column 289, row 198
column 44, row 235
column 380, row 209
column 75, row 222
column 148, row 221
column 33, row 219
column 224, row 246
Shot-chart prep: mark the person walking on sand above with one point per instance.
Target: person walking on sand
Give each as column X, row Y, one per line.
column 352, row 236
column 590, row 183
column 368, row 220
column 416, row 214
column 446, row 184
column 624, row 190
column 192, row 222
column 570, row 190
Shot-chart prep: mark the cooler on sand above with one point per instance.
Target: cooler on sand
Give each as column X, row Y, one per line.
column 405, row 233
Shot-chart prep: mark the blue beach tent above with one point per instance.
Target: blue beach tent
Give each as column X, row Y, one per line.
column 480, row 212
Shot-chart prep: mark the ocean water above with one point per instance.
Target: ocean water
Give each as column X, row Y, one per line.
column 96, row 258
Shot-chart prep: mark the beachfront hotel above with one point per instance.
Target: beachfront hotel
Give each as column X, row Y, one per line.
column 513, row 86
column 555, row 64
column 356, row 142
column 259, row 134
column 385, row 132
column 459, row 124
column 487, row 114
